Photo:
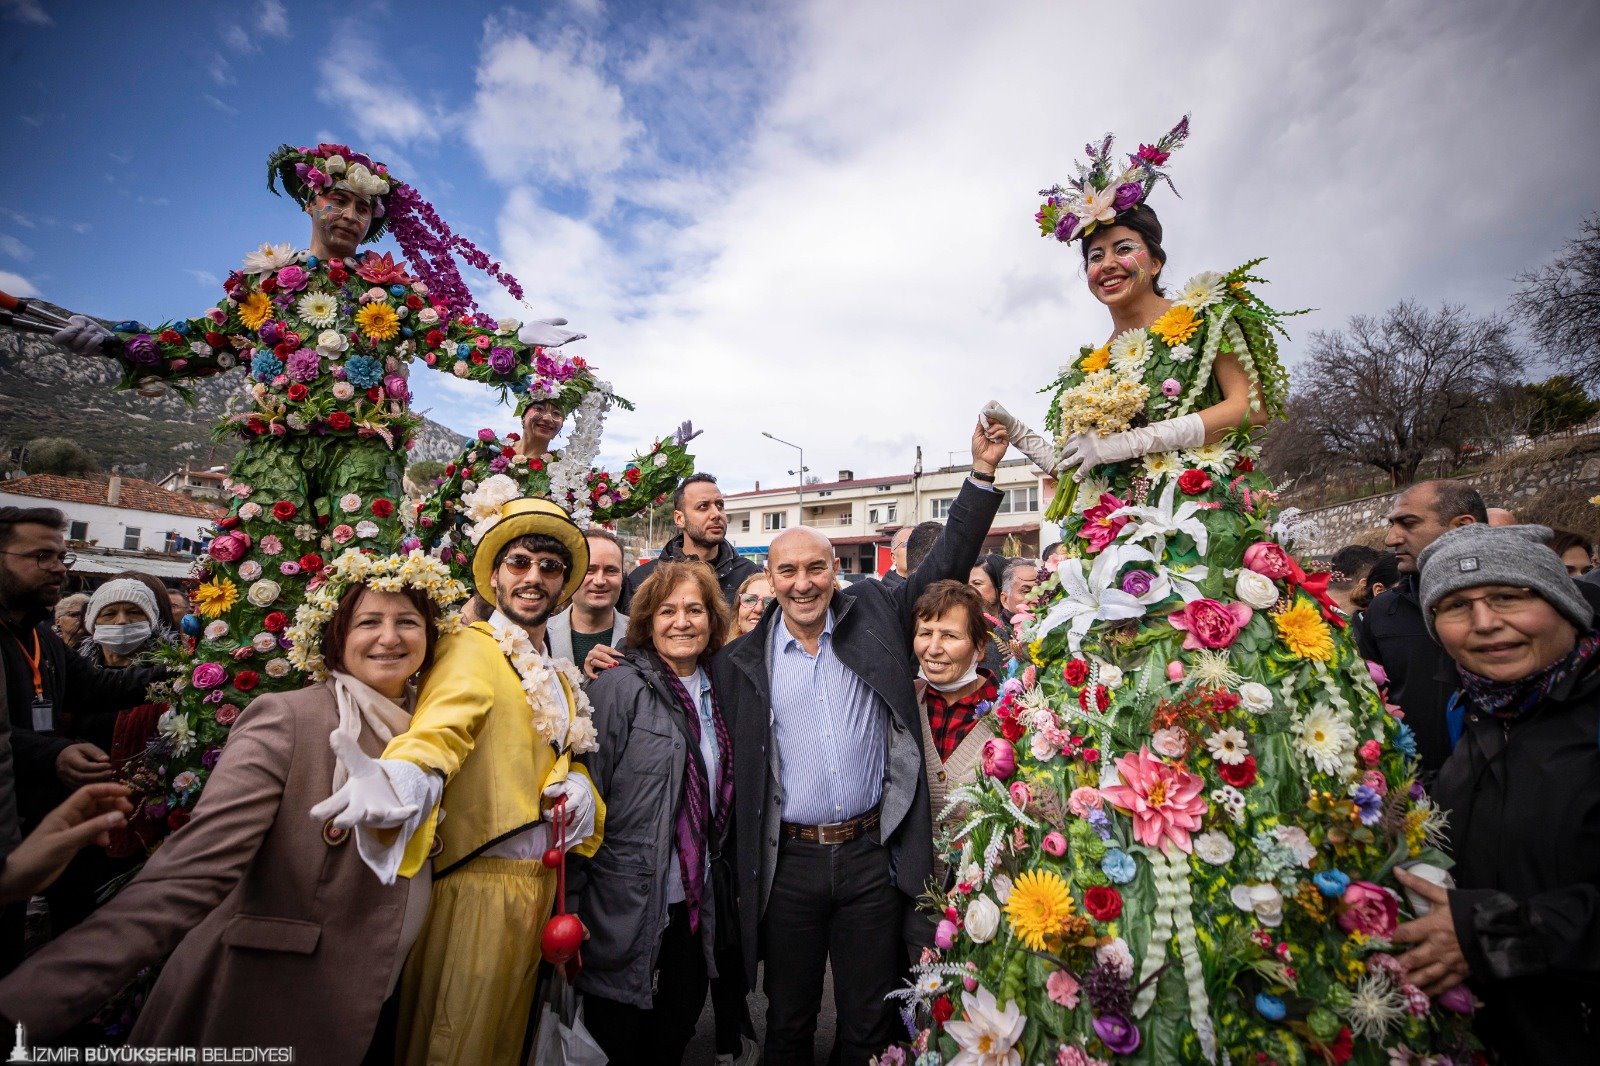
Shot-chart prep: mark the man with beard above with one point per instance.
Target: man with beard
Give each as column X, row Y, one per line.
column 701, row 515
column 496, row 728
column 46, row 684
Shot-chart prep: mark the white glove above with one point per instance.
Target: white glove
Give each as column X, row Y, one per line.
column 82, row 336
column 1025, row 440
column 578, row 813
column 547, row 333
column 366, row 798
column 1089, row 450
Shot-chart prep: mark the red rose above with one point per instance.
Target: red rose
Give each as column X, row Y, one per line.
column 476, row 357
column 256, row 425
column 298, row 392
column 535, row 464
column 245, row 680
column 450, row 470
column 283, row 349
column 170, row 336
column 216, row 340
column 632, row 475
column 339, row 420
column 414, row 302
column 274, row 622
column 310, row 563
column 231, row 522
column 283, row 510
column 1011, row 729
column 434, row 338
column 1342, row 1048
column 374, row 394
column 943, row 1009
column 337, row 275
column 269, row 285
column 1239, row 775
column 1103, row 903
column 178, row 818
column 382, row 508
column 1076, row 672
column 1244, row 465
column 1194, row 482
column 1101, row 698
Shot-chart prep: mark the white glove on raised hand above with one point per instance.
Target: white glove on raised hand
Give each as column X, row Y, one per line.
column 366, row 798
column 82, row 336
column 547, row 333
column 578, row 813
column 1025, row 440
column 1089, row 450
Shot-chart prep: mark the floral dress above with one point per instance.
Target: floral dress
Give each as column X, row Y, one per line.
column 1180, row 849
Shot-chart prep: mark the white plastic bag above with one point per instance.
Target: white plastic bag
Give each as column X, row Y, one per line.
column 562, row 1039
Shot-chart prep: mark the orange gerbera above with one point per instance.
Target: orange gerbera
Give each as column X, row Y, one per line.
column 1177, row 325
column 1095, row 360
column 255, row 310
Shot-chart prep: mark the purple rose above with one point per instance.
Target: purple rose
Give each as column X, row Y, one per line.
column 143, row 351
column 1170, row 387
column 1128, row 194
column 272, row 331
column 1137, row 582
column 1066, row 227
column 291, row 279
column 305, row 364
column 208, row 675
column 1457, row 999
column 502, row 361
column 1120, row 1036
column 395, row 387
column 156, row 812
column 210, row 757
column 498, row 464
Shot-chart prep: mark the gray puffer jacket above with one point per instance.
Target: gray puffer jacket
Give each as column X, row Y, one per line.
column 621, row 893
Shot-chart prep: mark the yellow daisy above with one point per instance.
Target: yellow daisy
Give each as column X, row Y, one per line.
column 1096, row 360
column 1039, row 908
column 1177, row 325
column 378, row 321
column 1304, row 631
column 213, row 598
column 256, row 309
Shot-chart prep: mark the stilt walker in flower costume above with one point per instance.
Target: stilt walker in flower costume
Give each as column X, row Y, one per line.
column 1181, row 851
column 325, row 337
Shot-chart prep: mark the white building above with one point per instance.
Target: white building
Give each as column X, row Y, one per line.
column 861, row 515
column 197, row 484
column 118, row 513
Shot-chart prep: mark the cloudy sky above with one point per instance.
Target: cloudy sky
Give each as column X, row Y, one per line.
column 810, row 218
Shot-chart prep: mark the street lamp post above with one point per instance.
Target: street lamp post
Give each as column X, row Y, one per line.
column 802, row 452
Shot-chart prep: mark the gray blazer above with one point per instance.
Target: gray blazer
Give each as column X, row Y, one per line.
column 559, row 633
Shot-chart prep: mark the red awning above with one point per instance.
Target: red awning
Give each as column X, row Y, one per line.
column 846, row 541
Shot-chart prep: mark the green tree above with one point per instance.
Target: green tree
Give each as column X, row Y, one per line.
column 1558, row 403
column 59, row 455
column 423, row 472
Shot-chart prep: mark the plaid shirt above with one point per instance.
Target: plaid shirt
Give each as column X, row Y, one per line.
column 951, row 722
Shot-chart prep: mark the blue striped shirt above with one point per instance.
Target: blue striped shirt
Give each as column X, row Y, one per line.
column 831, row 730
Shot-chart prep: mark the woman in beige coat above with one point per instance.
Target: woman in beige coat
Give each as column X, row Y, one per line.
column 283, row 936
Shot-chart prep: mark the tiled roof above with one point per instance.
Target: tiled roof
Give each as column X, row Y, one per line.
column 858, row 483
column 134, row 495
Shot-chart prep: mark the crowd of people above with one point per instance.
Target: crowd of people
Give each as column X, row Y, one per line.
column 1164, row 789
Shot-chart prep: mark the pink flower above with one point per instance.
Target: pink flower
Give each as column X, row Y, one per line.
column 1062, row 988
column 271, row 545
column 1375, row 780
column 1370, row 751
column 292, row 279
column 229, row 547
column 1265, row 557
column 1054, row 844
column 944, row 937
column 1171, row 388
column 1083, row 800
column 1021, row 794
column 1166, row 802
column 1369, row 910
column 999, row 760
column 1099, row 528
column 1457, row 999
column 227, row 714
column 1171, row 742
column 1210, row 624
column 486, row 435
column 343, row 534
column 208, row 675
column 1380, row 676
column 1175, row 671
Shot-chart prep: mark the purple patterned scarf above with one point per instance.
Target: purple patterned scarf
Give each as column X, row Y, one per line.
column 1512, row 699
column 694, row 828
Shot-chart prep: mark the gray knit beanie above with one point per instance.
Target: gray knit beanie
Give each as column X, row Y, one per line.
column 1476, row 554
column 121, row 590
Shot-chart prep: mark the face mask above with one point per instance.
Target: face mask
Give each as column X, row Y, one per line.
column 961, row 682
column 123, row 639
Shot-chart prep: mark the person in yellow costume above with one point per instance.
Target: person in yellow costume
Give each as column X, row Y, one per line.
column 472, row 785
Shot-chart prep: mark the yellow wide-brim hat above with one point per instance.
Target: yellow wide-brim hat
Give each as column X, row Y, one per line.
column 521, row 518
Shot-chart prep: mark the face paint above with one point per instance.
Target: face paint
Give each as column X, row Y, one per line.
column 1133, row 266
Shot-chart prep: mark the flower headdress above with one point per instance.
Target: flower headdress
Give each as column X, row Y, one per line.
column 1100, row 191
column 428, row 243
column 380, row 573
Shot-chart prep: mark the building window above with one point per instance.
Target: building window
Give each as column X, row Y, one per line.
column 941, row 508
column 847, row 517
column 885, row 488
column 774, row 520
column 890, row 512
column 130, row 538
column 744, row 524
column 78, row 531
column 874, row 516
column 1022, row 498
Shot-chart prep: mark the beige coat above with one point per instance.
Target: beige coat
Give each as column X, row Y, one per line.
column 281, row 938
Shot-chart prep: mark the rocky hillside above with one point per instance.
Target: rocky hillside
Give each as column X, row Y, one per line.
column 44, row 391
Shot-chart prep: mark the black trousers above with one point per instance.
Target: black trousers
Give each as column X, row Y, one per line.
column 729, row 1004
column 631, row 1035
column 832, row 902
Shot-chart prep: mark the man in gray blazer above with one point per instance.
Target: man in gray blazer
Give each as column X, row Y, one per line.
column 592, row 632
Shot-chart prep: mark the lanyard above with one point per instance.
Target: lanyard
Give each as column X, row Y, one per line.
column 33, row 660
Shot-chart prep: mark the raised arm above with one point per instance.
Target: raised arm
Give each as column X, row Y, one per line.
column 648, row 477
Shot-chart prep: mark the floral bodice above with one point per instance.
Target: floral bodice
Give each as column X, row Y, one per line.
column 327, row 346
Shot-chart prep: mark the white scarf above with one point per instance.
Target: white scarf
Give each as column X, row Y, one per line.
column 541, row 683
column 361, row 706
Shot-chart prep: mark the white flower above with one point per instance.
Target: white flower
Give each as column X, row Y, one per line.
column 332, row 342
column 1228, row 746
column 987, row 1033
column 1159, row 465
column 269, row 257
column 1110, row 676
column 304, row 531
column 295, row 420
column 660, row 460
column 1181, row 353
column 343, row 390
column 1096, row 595
column 366, row 529
column 1255, row 697
column 263, row 642
column 459, row 369
column 278, row 667
column 333, row 164
column 1230, row 800
column 216, row 630
column 174, row 728
column 249, row 570
column 1089, row 493
column 318, row 309
column 1214, row 847
column 1201, row 291
column 200, row 348
column 1097, row 205
column 227, row 360
column 264, row 593
column 1258, row 590
column 1325, row 737
column 1001, row 883
column 1212, row 667
column 364, row 182
column 1129, row 353
column 1265, row 901
column 1164, row 520
column 427, row 316
column 350, row 502
column 1115, row 955
column 983, row 920
column 1376, row 1006
column 929, row 985
column 250, row 512
column 1217, row 458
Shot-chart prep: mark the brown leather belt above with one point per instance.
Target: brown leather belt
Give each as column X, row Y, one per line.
column 833, row 832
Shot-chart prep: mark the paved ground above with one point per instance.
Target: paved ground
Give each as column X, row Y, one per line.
column 702, row 1052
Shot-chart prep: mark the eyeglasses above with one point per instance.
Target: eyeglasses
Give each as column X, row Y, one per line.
column 45, row 557
column 548, row 567
column 750, row 599
column 1459, row 609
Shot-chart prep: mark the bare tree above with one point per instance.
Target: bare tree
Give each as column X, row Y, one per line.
column 1395, row 391
column 1559, row 304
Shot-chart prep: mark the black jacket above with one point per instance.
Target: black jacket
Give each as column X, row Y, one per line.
column 1524, row 798
column 77, row 689
column 872, row 628
column 1421, row 676
column 731, row 569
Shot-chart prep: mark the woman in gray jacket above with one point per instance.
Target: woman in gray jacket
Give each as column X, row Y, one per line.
column 665, row 770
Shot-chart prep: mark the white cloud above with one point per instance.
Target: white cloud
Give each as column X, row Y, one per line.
column 272, row 19
column 218, row 68
column 204, row 278
column 27, row 12
column 372, row 93
column 14, row 249
column 16, row 284
column 220, row 105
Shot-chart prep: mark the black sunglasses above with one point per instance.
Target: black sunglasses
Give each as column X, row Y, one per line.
column 548, row 567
